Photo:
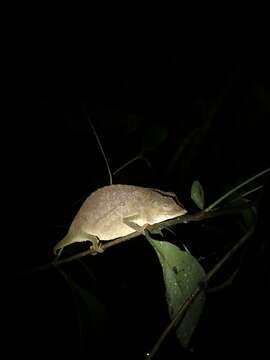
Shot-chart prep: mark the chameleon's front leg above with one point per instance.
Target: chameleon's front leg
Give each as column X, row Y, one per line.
column 129, row 221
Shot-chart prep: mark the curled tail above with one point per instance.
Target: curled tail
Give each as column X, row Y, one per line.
column 68, row 239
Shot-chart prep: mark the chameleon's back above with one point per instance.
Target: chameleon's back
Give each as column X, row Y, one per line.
column 102, row 212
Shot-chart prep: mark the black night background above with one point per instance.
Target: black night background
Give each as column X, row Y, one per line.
column 188, row 85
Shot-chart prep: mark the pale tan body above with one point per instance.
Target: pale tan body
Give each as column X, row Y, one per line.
column 118, row 210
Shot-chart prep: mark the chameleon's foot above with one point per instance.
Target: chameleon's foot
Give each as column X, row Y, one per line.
column 96, row 248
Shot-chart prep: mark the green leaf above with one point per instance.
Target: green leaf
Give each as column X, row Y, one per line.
column 182, row 275
column 197, row 194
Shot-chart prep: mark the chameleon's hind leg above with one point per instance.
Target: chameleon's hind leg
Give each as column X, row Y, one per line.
column 96, row 246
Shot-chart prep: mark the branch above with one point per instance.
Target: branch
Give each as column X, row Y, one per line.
column 156, row 228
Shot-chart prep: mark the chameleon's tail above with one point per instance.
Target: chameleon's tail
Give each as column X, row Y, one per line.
column 73, row 237
column 62, row 243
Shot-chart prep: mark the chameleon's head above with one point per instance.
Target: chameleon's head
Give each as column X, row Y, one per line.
column 165, row 206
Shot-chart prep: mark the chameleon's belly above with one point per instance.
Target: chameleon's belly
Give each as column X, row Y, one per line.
column 112, row 229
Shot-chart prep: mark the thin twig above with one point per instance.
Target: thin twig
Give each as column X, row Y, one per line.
column 101, row 148
column 230, row 253
column 247, row 193
column 180, row 312
column 138, row 157
column 214, row 204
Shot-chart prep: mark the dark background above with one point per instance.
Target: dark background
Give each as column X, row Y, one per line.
column 187, row 80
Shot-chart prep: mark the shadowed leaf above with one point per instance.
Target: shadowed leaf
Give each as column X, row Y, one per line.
column 92, row 313
column 153, row 136
column 197, row 194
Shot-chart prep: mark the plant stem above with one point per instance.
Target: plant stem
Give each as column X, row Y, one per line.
column 214, row 204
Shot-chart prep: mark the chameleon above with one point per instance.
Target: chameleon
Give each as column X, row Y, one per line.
column 116, row 210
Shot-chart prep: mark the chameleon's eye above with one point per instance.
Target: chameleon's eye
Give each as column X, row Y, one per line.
column 156, row 203
column 167, row 206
